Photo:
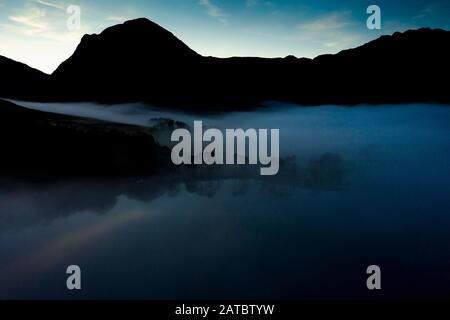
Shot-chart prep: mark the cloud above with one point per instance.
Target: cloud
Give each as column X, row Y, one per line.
column 31, row 21
column 214, row 11
column 36, row 21
column 56, row 5
column 429, row 10
column 335, row 31
column 254, row 3
column 331, row 21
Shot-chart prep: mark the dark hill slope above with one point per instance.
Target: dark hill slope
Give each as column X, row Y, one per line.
column 21, row 81
column 45, row 144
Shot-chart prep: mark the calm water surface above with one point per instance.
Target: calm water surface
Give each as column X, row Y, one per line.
column 359, row 186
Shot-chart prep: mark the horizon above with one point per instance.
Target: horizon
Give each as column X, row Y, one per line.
column 34, row 32
column 49, row 73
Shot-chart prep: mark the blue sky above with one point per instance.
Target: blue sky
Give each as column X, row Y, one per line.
column 35, row 32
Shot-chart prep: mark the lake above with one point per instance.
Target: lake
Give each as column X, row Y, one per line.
column 358, row 186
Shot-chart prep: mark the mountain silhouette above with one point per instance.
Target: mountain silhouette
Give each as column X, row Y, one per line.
column 137, row 60
column 41, row 144
column 20, row 81
column 141, row 61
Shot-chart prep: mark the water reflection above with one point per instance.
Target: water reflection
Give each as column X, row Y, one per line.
column 24, row 203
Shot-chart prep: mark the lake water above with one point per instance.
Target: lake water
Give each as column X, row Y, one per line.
column 360, row 186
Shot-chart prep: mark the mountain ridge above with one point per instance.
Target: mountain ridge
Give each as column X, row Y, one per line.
column 15, row 75
column 141, row 61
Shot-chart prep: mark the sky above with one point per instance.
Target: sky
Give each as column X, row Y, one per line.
column 35, row 31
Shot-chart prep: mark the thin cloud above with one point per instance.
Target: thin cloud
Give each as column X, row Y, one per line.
column 429, row 10
column 334, row 31
column 56, row 5
column 214, row 11
column 251, row 3
column 36, row 21
column 31, row 20
column 332, row 21
column 254, row 3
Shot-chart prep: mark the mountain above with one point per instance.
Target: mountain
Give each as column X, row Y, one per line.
column 404, row 67
column 141, row 61
column 132, row 61
column 20, row 81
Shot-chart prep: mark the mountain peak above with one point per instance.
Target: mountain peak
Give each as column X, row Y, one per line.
column 124, row 45
column 139, row 25
column 141, row 22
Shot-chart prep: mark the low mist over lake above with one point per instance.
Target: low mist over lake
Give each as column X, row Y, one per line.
column 358, row 186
